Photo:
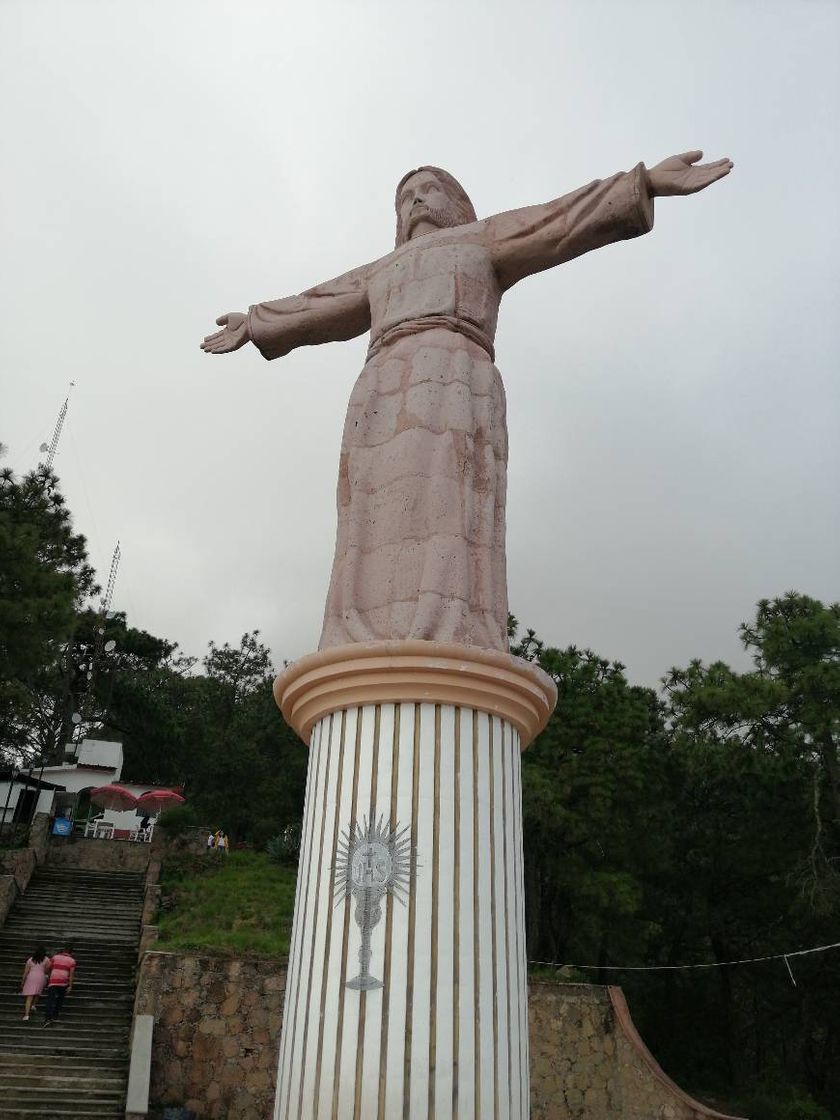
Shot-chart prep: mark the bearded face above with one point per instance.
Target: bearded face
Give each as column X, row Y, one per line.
column 424, row 205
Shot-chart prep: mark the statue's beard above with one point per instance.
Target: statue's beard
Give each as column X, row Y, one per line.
column 443, row 219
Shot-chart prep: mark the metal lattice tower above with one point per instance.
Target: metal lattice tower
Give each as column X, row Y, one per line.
column 51, row 447
column 112, row 579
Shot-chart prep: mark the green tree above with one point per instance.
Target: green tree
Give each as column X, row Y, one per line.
column 44, row 579
column 595, row 823
column 789, row 703
column 753, row 760
column 251, row 773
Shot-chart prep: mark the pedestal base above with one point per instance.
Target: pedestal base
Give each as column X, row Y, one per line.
column 407, row 992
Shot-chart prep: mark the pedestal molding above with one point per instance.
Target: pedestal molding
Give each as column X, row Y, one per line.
column 415, row 671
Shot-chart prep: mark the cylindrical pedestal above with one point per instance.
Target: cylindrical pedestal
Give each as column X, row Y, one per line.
column 406, row 993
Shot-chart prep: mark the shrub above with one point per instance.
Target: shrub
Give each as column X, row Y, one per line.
column 285, row 848
column 177, row 820
column 775, row 1101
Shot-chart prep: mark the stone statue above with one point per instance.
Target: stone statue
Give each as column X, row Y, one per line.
column 420, row 549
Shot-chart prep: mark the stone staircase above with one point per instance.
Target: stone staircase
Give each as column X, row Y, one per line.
column 77, row 1068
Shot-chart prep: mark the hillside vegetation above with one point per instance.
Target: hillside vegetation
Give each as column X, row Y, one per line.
column 241, row 903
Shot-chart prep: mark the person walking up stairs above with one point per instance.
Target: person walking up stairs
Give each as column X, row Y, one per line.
column 78, row 1068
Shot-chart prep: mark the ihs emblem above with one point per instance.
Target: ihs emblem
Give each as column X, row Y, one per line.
column 373, row 860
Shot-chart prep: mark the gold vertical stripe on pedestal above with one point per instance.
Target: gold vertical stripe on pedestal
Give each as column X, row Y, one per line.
column 360, row 1042
column 314, row 921
column 412, row 919
column 506, row 909
column 476, row 926
column 330, row 906
column 389, row 925
column 346, row 932
column 519, row 886
column 510, row 907
column 456, row 913
column 435, row 892
column 493, row 938
column 515, row 975
column 301, row 908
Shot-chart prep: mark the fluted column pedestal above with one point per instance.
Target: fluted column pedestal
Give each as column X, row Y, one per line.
column 406, row 993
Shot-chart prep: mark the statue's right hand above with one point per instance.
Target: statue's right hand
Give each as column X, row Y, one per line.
column 234, row 333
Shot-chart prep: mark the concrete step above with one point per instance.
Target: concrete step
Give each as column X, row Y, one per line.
column 118, row 1000
column 46, row 936
column 47, row 1042
column 87, row 950
column 79, row 894
column 76, row 1016
column 55, row 916
column 65, row 1032
column 36, row 1112
column 36, row 1063
column 67, row 1095
column 79, row 1026
column 86, row 975
column 114, row 1080
column 66, row 874
column 58, row 904
column 44, row 933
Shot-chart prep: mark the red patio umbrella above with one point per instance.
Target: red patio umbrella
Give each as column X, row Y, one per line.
column 113, row 797
column 156, row 799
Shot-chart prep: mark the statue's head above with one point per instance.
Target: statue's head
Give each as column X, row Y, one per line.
column 430, row 198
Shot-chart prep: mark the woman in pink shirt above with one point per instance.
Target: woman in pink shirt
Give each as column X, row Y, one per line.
column 34, row 979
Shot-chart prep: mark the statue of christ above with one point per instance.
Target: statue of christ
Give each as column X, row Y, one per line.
column 420, row 547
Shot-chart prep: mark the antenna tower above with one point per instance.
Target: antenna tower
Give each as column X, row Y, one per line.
column 51, row 447
column 112, row 579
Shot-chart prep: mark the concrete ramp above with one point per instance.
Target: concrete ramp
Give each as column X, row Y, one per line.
column 588, row 1061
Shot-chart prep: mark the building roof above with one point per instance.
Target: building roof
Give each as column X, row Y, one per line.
column 25, row 779
column 83, row 766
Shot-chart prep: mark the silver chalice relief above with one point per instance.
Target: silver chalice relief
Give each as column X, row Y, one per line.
column 373, row 859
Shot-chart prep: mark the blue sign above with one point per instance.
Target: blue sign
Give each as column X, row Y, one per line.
column 62, row 826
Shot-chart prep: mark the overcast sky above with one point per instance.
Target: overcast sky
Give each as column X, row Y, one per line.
column 673, row 401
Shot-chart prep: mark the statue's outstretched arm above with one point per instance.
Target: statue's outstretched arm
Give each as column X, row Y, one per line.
column 538, row 237
column 330, row 312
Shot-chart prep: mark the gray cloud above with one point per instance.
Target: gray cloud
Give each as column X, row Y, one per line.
column 673, row 401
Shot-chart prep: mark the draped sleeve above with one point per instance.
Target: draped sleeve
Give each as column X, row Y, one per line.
column 330, row 312
column 538, row 237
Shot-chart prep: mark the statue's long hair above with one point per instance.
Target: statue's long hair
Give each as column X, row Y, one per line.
column 454, row 191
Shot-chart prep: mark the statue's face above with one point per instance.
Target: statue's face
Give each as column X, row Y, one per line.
column 425, row 206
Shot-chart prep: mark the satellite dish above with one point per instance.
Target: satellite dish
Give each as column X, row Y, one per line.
column 76, row 718
column 44, row 447
column 110, row 646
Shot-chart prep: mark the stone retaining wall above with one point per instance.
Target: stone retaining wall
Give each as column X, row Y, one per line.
column 588, row 1061
column 217, row 1035
column 8, row 894
column 18, row 864
column 217, row 1030
column 99, row 855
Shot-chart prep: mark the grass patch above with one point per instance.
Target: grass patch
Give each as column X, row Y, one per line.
column 240, row 903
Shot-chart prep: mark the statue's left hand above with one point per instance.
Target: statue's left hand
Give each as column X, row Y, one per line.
column 683, row 174
column 234, row 334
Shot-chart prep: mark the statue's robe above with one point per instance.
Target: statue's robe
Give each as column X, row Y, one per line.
column 420, row 548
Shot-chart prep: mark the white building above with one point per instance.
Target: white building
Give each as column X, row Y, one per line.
column 23, row 794
column 96, row 762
